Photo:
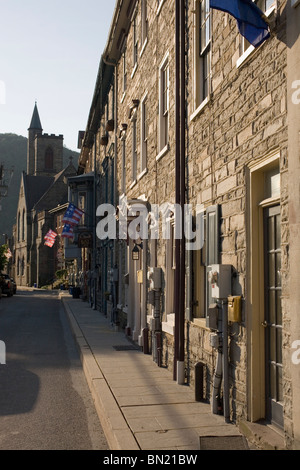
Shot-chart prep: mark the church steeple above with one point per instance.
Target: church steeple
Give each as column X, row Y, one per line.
column 34, row 130
column 35, row 120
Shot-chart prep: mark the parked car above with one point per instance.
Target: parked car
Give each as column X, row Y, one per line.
column 14, row 285
column 6, row 285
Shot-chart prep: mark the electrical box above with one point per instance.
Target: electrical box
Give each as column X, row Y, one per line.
column 154, row 276
column 212, row 317
column 219, row 278
column 235, row 308
column 139, row 276
column 215, row 340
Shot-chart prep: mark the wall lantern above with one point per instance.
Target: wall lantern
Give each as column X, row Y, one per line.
column 135, row 254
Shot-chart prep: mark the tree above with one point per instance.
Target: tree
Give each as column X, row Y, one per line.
column 3, row 256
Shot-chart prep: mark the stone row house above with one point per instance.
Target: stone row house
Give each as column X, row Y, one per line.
column 186, row 111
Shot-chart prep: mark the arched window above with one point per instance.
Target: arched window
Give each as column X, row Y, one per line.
column 23, row 225
column 18, row 266
column 49, row 159
column 19, row 226
column 22, row 266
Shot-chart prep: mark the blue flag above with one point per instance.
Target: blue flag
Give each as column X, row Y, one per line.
column 249, row 19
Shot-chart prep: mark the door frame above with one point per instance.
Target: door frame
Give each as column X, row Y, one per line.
column 255, row 300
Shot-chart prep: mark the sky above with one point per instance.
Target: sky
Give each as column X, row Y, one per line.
column 50, row 53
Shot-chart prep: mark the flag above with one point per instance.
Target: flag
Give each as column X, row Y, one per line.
column 67, row 231
column 249, row 18
column 8, row 254
column 72, row 215
column 50, row 238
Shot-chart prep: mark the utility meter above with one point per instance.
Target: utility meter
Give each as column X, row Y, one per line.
column 219, row 280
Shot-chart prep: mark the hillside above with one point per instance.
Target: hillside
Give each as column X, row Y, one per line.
column 13, row 153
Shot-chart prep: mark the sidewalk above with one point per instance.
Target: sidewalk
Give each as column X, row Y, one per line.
column 139, row 405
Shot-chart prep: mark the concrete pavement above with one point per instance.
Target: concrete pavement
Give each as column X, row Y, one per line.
column 139, row 404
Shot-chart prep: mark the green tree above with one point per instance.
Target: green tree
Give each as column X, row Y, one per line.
column 3, row 258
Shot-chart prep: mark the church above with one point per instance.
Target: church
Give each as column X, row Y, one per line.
column 43, row 188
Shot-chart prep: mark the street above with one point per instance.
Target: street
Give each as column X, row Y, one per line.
column 45, row 402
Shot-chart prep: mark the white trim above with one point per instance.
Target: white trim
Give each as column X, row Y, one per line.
column 144, row 172
column 244, row 56
column 159, row 7
column 251, row 48
column 144, row 47
column 162, row 152
column 134, row 70
column 199, row 109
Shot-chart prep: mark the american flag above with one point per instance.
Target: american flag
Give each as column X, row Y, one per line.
column 67, row 231
column 72, row 215
column 50, row 238
column 8, row 254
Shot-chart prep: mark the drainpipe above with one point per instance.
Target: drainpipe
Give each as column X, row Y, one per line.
column 180, row 366
column 179, row 300
column 94, row 282
column 225, row 361
column 177, row 182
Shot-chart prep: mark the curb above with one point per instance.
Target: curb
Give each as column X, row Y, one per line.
column 115, row 427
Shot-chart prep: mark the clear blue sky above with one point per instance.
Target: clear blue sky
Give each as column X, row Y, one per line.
column 50, row 53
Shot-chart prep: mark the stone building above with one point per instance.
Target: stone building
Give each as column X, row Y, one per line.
column 186, row 111
column 42, row 188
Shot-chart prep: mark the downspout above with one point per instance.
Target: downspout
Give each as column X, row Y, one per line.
column 94, row 282
column 180, row 364
column 177, row 184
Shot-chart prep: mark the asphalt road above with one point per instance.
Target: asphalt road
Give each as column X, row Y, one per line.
column 45, row 402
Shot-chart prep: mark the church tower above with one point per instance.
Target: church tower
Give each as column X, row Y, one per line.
column 35, row 129
column 45, row 151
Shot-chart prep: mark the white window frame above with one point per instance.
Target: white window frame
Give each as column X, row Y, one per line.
column 144, row 135
column 134, row 148
column 159, row 6
column 164, row 90
column 135, row 44
column 245, row 48
column 123, row 173
column 144, row 25
column 200, row 97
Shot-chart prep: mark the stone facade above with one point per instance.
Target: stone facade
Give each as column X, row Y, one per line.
column 238, row 148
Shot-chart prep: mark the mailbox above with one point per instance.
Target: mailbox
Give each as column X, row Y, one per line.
column 235, row 308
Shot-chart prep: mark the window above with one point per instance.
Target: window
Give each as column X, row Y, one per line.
column 134, row 148
column 144, row 22
column 135, row 42
column 82, row 206
column 23, row 225
column 49, row 159
column 144, row 134
column 266, row 6
column 164, row 105
column 124, row 72
column 123, row 166
column 202, row 56
column 203, row 259
column 19, row 226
